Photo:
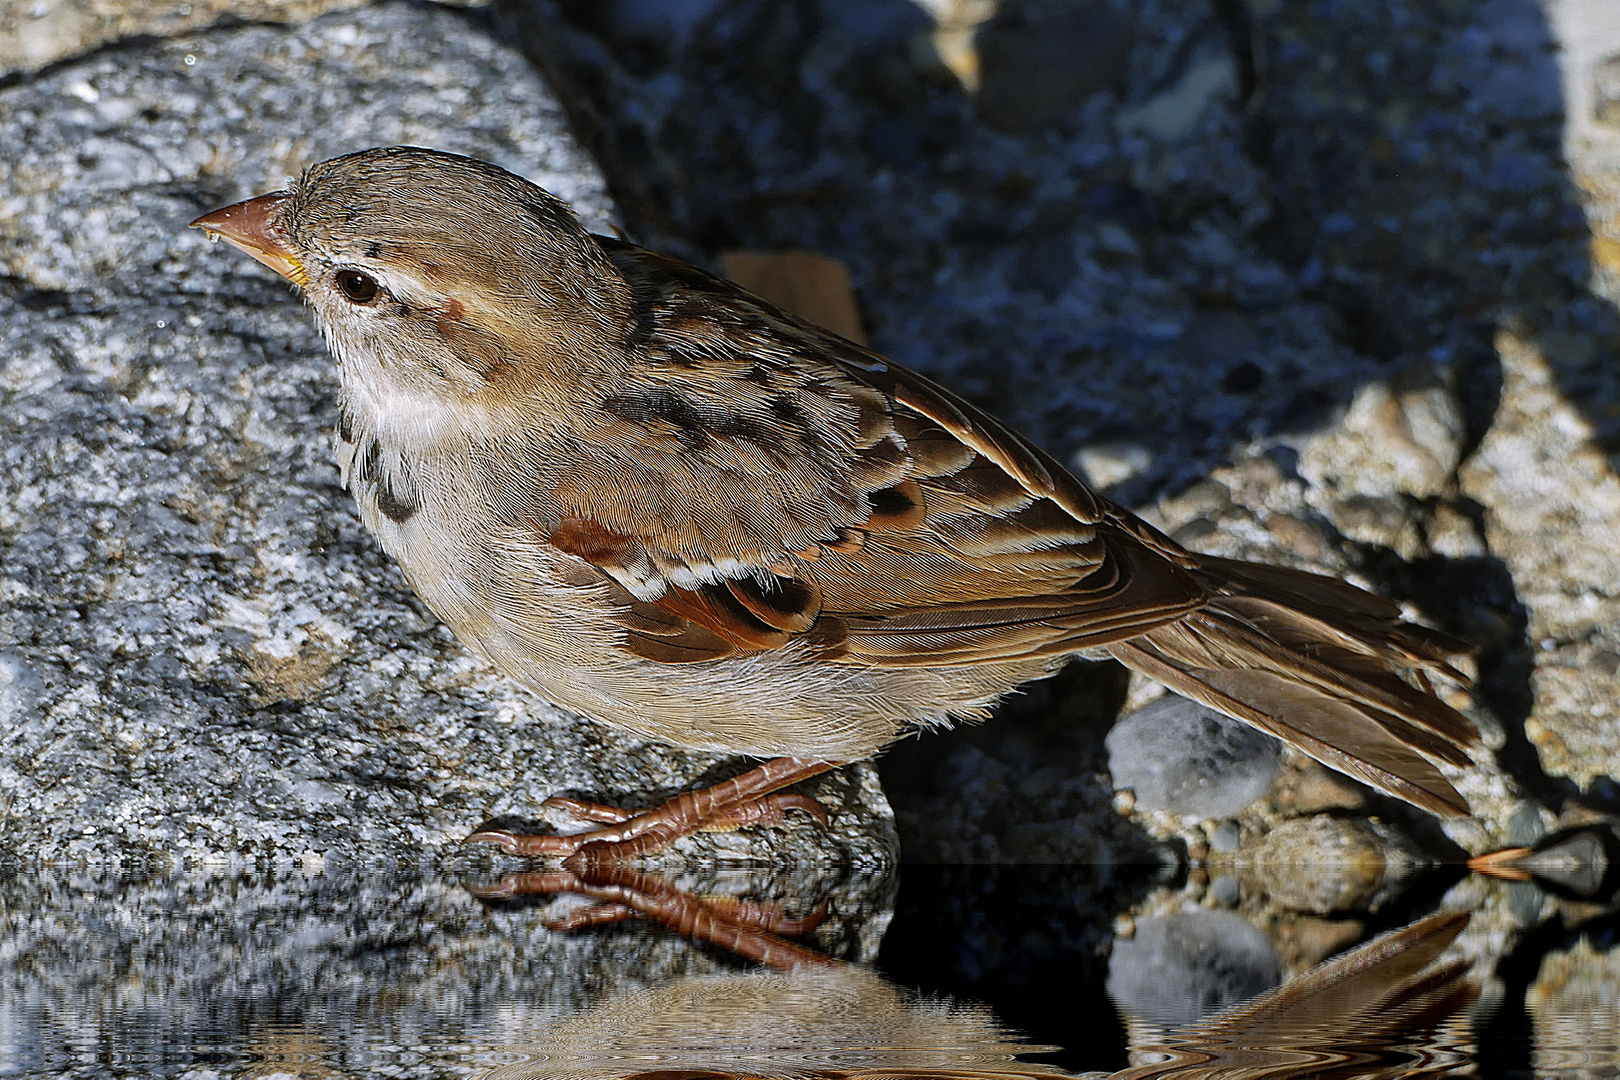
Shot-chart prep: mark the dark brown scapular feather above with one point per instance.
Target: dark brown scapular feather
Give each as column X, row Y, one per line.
column 881, row 465
column 790, row 604
column 897, row 509
column 981, row 488
column 714, row 608
column 934, row 451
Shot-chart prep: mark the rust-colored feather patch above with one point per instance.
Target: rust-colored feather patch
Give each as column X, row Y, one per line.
column 595, row 544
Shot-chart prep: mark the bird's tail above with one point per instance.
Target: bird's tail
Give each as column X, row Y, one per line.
column 1323, row 666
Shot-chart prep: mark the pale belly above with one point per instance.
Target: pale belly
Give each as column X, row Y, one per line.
column 508, row 596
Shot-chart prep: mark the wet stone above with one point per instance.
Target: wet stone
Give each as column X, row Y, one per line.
column 1182, row 758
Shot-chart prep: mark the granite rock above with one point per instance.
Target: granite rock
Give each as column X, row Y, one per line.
column 1552, row 514
column 36, row 33
column 204, row 654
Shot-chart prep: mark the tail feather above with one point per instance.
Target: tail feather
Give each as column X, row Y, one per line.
column 1323, row 666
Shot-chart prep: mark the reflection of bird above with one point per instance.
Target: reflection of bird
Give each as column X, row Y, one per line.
column 1364, row 1014
column 1350, row 1017
column 844, row 1022
column 659, row 500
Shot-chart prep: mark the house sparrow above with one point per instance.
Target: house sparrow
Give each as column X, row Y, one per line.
column 656, row 499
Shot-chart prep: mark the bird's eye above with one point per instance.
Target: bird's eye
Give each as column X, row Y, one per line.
column 356, row 287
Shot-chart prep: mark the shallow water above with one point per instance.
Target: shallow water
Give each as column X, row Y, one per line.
column 926, row 971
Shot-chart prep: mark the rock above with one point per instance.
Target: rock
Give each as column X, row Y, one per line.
column 1577, row 863
column 34, row 33
column 1045, row 266
column 1552, row 513
column 1040, row 59
column 205, row 655
column 1401, row 436
column 1105, row 464
column 1226, row 837
column 1177, row 968
column 1324, row 864
column 1606, row 92
column 1209, row 76
column 1182, row 758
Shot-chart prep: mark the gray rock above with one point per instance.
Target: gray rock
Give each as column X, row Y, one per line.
column 206, row 657
column 1184, row 759
column 1552, row 501
column 1226, row 837
column 1402, row 435
column 1208, row 77
column 1578, row 863
column 1177, row 968
column 1606, row 92
column 34, row 33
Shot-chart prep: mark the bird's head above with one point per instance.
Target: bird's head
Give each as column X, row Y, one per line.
column 435, row 275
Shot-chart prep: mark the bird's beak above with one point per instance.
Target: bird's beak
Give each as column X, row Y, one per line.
column 251, row 226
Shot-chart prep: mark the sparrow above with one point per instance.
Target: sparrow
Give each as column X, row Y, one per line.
column 660, row 501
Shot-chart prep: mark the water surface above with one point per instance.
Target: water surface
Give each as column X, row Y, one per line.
column 924, row 971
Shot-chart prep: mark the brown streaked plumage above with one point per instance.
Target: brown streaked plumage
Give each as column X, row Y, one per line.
column 657, row 499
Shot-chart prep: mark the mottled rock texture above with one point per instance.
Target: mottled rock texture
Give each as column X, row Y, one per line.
column 202, row 653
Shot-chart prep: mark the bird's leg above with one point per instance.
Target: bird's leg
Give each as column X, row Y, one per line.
column 748, row 929
column 749, row 799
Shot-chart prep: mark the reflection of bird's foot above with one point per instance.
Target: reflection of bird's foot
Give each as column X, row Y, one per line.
column 1502, row 864
column 748, row 928
column 743, row 801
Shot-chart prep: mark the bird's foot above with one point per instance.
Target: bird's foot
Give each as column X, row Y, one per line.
column 743, row 801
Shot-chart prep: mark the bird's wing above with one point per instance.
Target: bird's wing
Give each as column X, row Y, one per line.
column 777, row 483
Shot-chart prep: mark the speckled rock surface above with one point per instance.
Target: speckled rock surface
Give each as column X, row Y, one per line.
column 1254, row 282
column 202, row 654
